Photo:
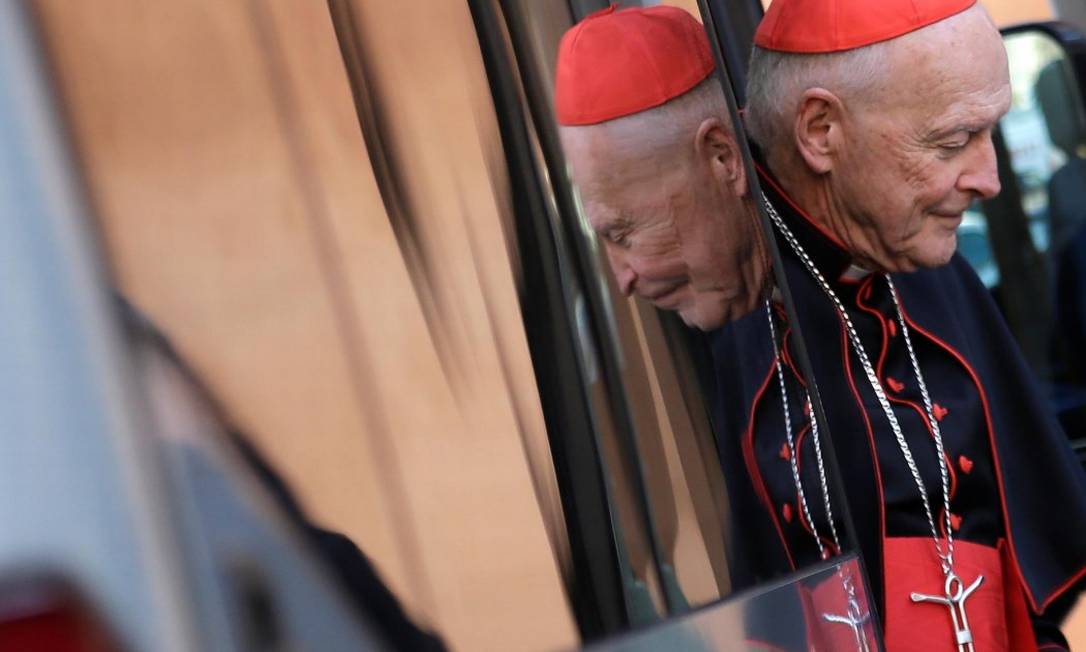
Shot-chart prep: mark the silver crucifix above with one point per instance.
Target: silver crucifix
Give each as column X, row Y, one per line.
column 956, row 595
column 856, row 619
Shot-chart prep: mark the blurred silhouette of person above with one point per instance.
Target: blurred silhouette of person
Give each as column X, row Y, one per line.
column 1061, row 107
column 343, row 561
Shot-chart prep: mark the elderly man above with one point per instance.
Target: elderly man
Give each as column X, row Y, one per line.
column 874, row 121
column 875, row 126
column 646, row 130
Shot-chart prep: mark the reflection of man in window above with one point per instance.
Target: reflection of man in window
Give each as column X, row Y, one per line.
column 874, row 121
column 656, row 164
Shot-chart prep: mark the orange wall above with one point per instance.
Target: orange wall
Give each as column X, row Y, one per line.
column 1008, row 12
column 240, row 210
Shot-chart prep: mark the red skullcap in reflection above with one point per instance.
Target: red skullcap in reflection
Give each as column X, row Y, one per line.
column 619, row 62
column 812, row 26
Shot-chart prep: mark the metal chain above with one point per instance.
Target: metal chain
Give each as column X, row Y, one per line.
column 946, row 559
column 929, row 409
column 816, row 438
column 793, row 451
column 855, row 612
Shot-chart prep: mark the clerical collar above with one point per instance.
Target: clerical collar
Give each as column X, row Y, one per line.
column 827, row 251
column 855, row 273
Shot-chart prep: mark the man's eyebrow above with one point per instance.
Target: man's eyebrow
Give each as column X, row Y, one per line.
column 600, row 218
column 621, row 221
column 609, row 218
column 612, row 224
column 970, row 124
column 964, row 126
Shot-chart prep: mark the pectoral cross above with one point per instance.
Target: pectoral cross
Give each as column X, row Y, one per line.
column 854, row 619
column 956, row 595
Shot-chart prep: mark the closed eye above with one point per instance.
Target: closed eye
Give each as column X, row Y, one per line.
column 958, row 141
column 617, row 234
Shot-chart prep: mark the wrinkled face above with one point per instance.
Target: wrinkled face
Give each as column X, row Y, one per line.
column 915, row 157
column 672, row 235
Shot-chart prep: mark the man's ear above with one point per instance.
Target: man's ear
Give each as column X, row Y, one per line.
column 716, row 144
column 818, row 128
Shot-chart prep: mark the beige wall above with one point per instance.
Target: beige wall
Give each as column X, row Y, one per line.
column 1009, row 12
column 223, row 152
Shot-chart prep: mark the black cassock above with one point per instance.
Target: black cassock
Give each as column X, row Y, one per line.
column 1013, row 475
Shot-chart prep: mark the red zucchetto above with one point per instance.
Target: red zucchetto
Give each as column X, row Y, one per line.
column 814, row 26
column 617, row 62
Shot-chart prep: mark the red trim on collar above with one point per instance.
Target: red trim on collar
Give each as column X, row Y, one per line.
column 867, row 283
column 768, row 178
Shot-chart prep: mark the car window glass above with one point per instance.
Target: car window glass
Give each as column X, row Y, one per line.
column 1024, row 244
column 656, row 335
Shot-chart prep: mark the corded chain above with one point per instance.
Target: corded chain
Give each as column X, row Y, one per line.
column 793, row 451
column 937, row 433
column 946, row 559
column 855, row 613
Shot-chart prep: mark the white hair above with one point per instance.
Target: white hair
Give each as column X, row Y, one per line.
column 670, row 126
column 777, row 80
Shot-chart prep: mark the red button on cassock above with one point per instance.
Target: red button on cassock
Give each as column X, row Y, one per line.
column 939, row 411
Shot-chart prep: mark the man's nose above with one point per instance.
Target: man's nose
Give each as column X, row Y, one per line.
column 982, row 175
column 625, row 276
